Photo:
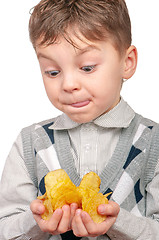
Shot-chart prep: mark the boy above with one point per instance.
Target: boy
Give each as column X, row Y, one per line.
column 84, row 50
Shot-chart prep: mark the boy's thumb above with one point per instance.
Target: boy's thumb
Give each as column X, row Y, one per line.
column 37, row 207
column 102, row 209
column 110, row 209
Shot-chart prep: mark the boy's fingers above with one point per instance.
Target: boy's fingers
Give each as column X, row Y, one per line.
column 58, row 223
column 39, row 220
column 95, row 229
column 90, row 226
column 50, row 225
column 37, row 207
column 111, row 209
column 73, row 208
column 65, row 220
column 53, row 222
column 78, row 226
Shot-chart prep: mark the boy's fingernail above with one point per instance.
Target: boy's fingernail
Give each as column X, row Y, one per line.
column 40, row 209
column 83, row 214
column 101, row 209
column 65, row 207
column 78, row 212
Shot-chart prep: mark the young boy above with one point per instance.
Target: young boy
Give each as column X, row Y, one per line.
column 85, row 53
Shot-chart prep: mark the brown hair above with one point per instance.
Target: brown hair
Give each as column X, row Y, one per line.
column 95, row 20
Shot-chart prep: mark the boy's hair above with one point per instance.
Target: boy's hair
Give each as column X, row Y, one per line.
column 94, row 19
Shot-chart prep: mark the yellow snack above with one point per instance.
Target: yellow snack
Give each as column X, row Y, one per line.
column 60, row 191
column 48, row 210
column 89, row 186
column 91, row 207
column 60, row 202
column 90, row 181
column 54, row 179
column 73, row 197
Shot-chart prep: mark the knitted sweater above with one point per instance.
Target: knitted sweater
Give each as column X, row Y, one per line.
column 131, row 174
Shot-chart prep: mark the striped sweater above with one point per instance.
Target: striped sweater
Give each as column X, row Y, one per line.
column 127, row 174
column 132, row 175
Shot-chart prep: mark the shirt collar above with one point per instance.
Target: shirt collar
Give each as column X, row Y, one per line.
column 118, row 117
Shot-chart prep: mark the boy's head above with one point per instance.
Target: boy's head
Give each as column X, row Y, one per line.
column 84, row 50
column 94, row 19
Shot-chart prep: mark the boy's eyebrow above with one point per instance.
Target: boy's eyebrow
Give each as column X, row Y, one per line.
column 42, row 55
column 79, row 51
column 87, row 49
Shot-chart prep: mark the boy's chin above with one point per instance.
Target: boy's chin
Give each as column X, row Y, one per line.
column 81, row 118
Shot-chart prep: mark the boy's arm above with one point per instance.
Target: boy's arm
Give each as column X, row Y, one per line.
column 16, row 193
column 130, row 227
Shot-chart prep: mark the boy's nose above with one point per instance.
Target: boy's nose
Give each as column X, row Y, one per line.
column 70, row 83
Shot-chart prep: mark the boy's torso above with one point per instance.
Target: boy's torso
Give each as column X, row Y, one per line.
column 126, row 174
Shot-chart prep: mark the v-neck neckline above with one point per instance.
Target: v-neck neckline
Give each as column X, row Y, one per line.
column 115, row 164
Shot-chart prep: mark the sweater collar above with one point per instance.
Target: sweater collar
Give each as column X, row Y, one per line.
column 118, row 117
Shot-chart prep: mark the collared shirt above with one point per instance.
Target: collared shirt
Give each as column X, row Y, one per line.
column 93, row 143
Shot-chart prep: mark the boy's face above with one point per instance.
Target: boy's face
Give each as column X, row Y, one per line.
column 83, row 83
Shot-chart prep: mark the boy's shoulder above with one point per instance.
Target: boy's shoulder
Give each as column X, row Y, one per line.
column 35, row 138
column 146, row 121
column 42, row 124
column 148, row 132
column 45, row 122
column 39, row 130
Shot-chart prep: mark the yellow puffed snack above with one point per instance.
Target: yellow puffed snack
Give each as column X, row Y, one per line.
column 60, row 191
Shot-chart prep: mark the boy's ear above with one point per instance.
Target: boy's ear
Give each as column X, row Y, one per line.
column 130, row 62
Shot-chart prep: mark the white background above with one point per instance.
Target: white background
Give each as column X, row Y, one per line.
column 22, row 96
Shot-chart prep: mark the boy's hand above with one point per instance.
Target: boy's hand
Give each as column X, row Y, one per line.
column 60, row 221
column 83, row 225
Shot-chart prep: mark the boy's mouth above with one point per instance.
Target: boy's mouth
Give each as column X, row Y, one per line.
column 80, row 104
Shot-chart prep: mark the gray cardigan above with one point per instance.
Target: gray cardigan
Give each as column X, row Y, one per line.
column 132, row 175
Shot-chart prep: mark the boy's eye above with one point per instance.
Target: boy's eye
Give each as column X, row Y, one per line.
column 88, row 68
column 53, row 73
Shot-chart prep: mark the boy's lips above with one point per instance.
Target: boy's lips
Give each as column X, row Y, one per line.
column 80, row 104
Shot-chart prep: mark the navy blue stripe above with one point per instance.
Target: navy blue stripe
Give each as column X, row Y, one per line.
column 35, row 152
column 42, row 186
column 69, row 236
column 132, row 154
column 108, row 191
column 49, row 131
column 138, row 194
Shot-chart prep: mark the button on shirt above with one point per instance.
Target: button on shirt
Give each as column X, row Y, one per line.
column 93, row 143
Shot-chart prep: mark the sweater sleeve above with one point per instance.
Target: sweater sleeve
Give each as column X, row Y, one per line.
column 17, row 192
column 130, row 227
